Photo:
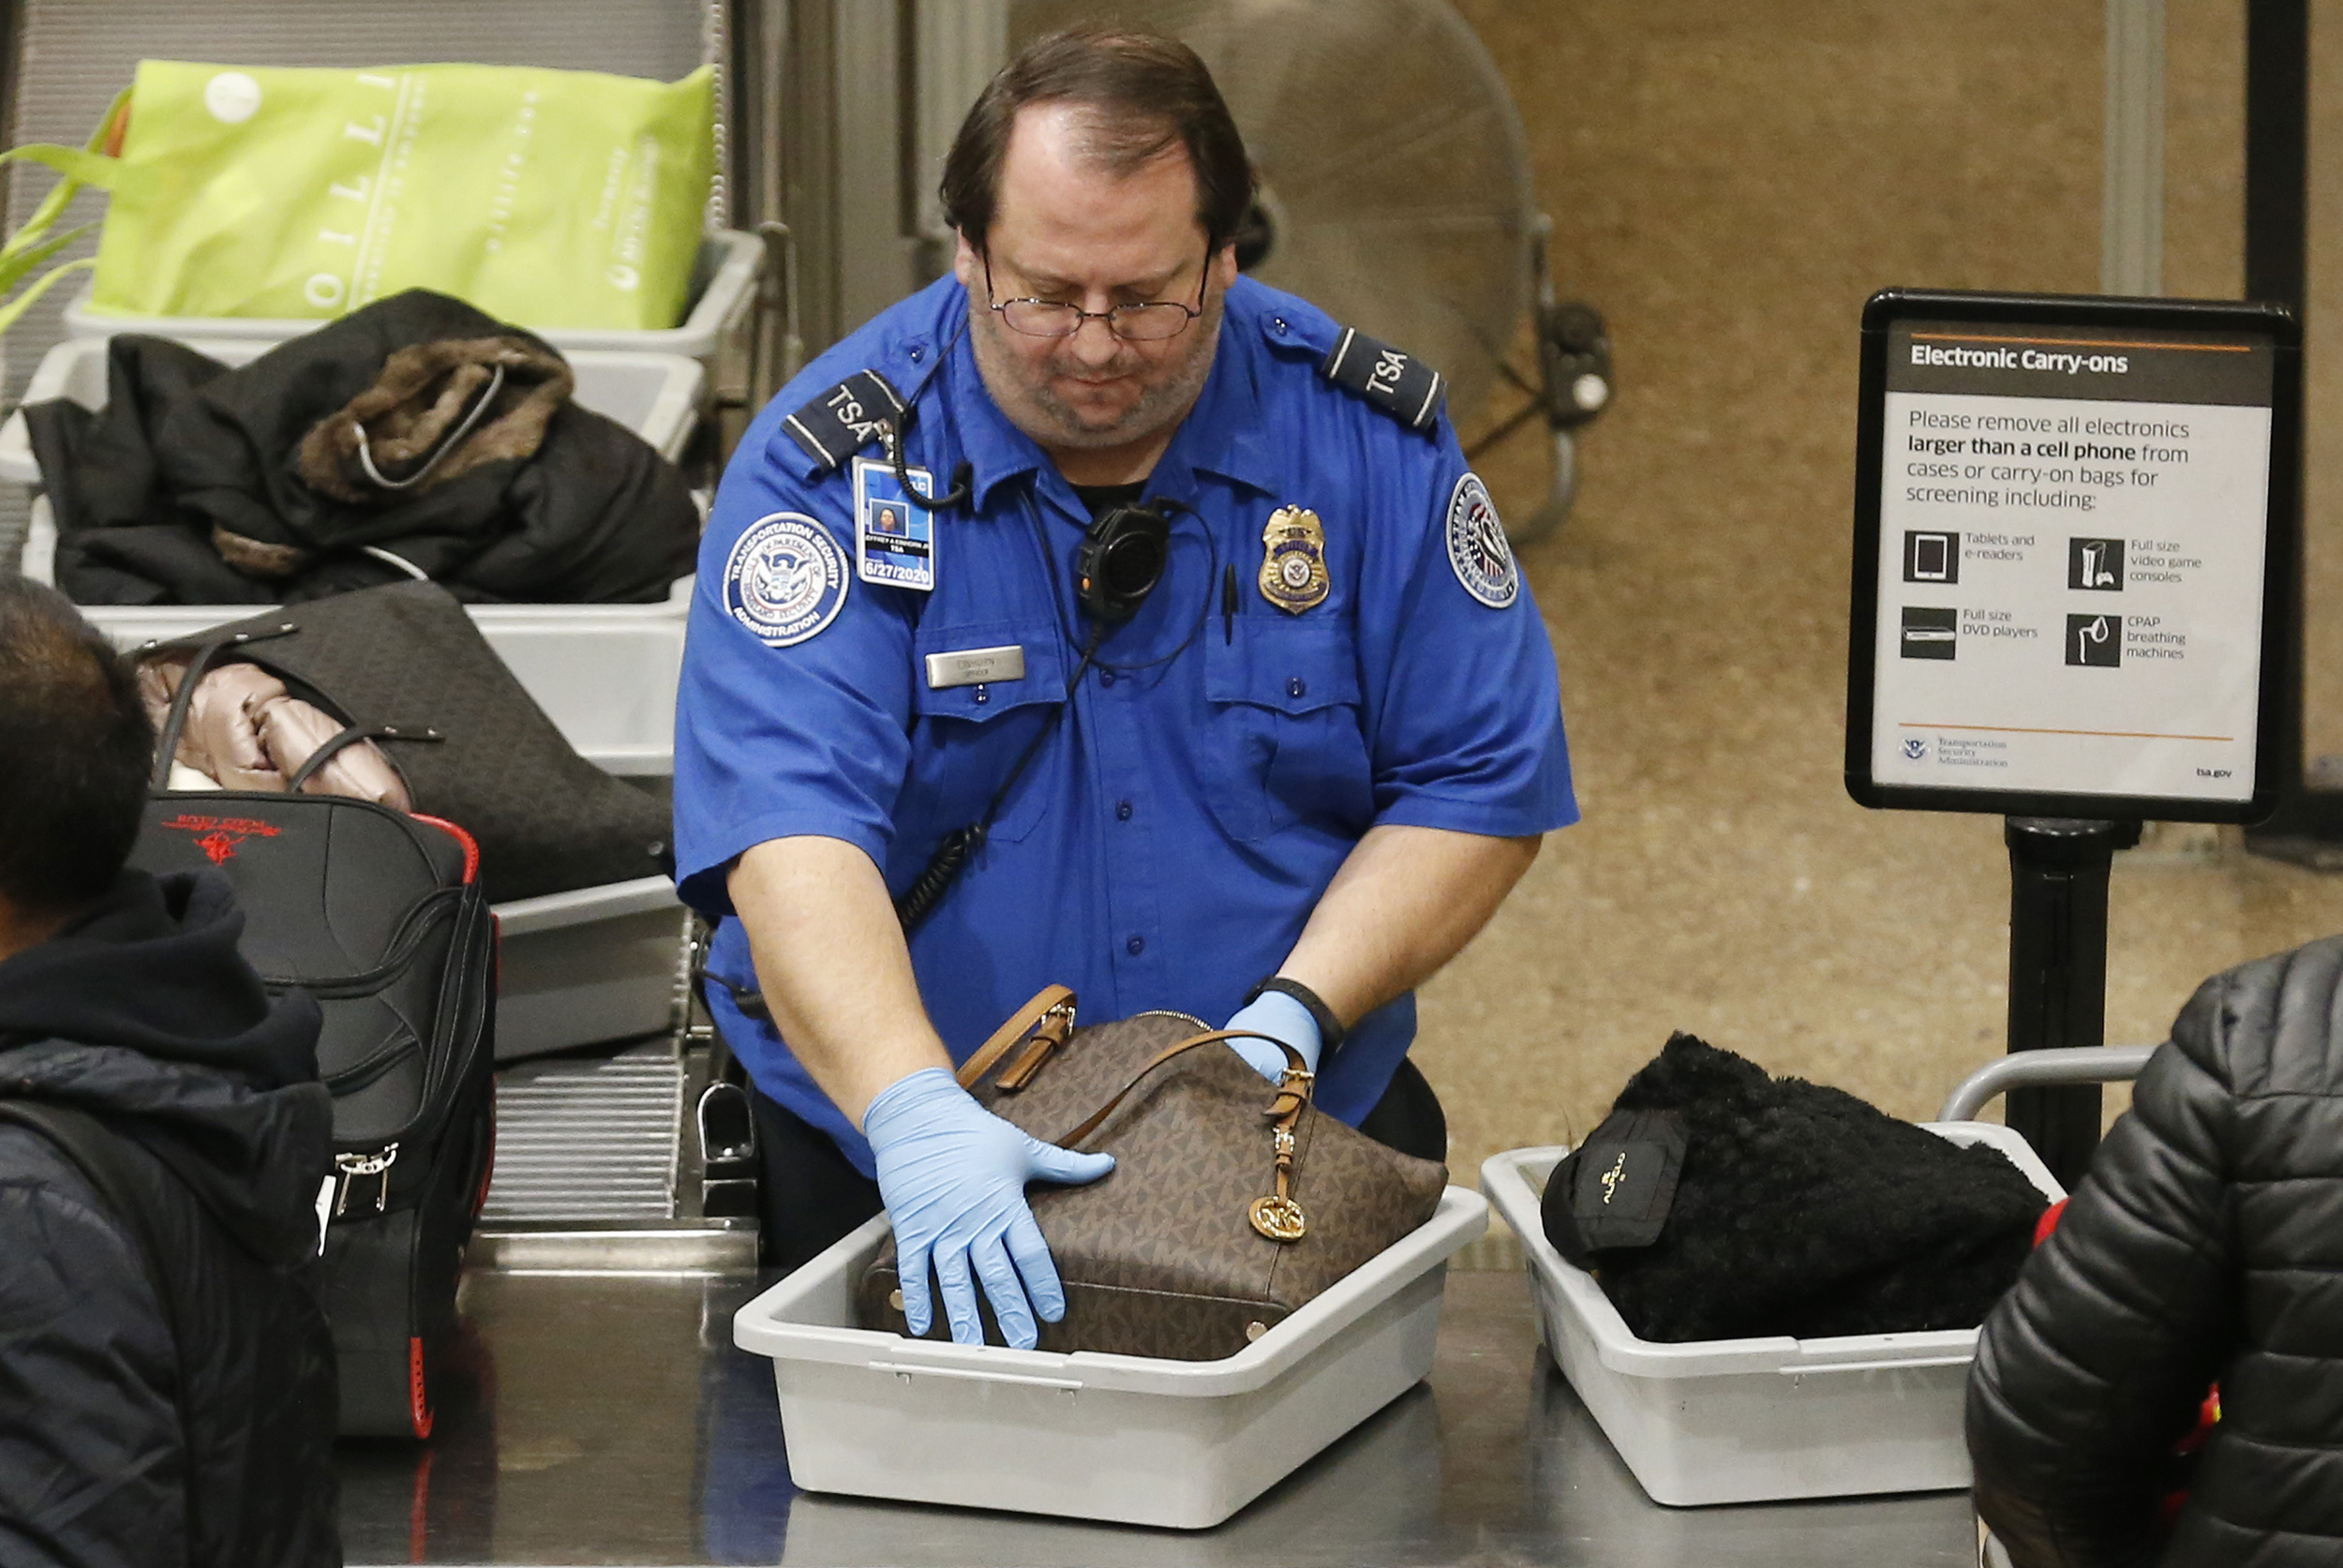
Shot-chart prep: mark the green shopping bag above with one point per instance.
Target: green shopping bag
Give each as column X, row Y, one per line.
column 549, row 199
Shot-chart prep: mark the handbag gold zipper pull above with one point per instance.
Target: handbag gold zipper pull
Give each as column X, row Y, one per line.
column 1278, row 1217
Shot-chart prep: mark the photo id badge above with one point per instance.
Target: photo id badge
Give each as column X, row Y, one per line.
column 894, row 540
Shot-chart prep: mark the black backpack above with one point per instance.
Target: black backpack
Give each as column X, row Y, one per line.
column 382, row 917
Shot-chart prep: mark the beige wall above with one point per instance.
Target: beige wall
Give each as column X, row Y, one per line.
column 1729, row 180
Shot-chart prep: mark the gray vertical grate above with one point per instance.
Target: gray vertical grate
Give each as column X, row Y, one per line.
column 583, row 1141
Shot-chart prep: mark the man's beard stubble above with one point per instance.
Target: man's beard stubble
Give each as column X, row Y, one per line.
column 1161, row 402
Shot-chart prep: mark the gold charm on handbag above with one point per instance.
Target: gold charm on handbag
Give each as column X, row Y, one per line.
column 1278, row 1218
column 1277, row 1215
column 1294, row 560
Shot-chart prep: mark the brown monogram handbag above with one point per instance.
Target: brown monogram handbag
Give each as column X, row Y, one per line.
column 1232, row 1203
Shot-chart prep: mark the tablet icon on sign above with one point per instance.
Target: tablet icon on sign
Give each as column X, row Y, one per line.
column 2096, row 563
column 1930, row 634
column 2094, row 640
column 1931, row 558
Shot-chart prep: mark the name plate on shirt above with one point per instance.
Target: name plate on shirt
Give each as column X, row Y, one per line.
column 972, row 667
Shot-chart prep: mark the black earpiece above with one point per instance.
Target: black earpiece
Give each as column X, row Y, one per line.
column 1121, row 559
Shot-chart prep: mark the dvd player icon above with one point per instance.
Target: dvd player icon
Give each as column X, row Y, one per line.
column 1929, row 632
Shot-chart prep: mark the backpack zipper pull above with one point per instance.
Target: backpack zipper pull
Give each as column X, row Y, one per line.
column 350, row 1166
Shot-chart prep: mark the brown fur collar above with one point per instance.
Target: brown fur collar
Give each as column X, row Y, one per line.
column 421, row 393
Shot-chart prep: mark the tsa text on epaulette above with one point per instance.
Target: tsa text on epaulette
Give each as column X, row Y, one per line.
column 1401, row 385
column 846, row 418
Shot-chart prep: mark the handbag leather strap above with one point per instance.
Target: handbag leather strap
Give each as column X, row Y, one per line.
column 1293, row 1090
column 1054, row 1004
column 1048, row 1000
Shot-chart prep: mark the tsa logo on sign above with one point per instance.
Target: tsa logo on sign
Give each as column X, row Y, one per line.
column 1916, row 750
column 786, row 579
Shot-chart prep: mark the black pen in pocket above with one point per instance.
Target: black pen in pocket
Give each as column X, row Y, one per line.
column 1228, row 604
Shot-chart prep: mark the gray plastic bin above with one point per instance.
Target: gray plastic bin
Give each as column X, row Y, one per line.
column 724, row 286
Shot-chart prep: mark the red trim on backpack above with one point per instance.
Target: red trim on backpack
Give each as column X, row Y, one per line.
column 418, row 1396
column 471, row 850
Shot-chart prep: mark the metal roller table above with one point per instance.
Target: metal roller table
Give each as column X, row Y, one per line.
column 608, row 1419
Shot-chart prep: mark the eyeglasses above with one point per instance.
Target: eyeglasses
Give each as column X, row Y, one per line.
column 1150, row 322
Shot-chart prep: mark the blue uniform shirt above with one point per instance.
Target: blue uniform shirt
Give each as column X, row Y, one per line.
column 1169, row 841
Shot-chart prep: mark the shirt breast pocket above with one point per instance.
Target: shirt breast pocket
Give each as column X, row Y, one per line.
column 1292, row 746
column 967, row 737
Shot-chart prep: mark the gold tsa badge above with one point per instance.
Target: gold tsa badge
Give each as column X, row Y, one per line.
column 1294, row 560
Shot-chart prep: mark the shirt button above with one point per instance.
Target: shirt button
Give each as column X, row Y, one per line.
column 1106, row 678
column 983, row 696
column 918, row 355
column 1278, row 325
column 1136, row 945
column 1296, row 686
column 1122, row 811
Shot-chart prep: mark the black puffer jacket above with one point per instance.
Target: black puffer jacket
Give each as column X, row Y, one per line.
column 2206, row 1244
column 145, row 1016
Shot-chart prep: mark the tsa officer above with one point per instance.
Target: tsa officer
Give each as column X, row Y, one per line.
column 1204, row 682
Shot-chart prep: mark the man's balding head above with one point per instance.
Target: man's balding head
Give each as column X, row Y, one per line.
column 75, row 753
column 1139, row 95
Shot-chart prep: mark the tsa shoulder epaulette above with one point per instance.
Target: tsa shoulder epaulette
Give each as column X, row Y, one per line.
column 1400, row 384
column 845, row 419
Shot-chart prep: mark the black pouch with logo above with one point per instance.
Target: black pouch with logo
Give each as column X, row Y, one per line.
column 1615, row 1191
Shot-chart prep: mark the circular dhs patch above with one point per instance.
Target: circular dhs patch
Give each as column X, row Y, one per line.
column 786, row 579
column 1477, row 549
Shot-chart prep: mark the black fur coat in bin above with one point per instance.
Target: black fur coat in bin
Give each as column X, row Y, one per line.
column 1797, row 1209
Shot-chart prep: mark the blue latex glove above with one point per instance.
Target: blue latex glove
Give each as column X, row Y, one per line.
column 1280, row 1017
column 953, row 1177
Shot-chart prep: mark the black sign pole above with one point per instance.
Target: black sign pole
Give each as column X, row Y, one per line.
column 2058, row 869
column 2307, row 826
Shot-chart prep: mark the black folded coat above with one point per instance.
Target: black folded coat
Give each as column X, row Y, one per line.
column 201, row 484
column 1717, row 1203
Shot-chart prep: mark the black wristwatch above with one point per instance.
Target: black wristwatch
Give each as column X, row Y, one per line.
column 1330, row 1030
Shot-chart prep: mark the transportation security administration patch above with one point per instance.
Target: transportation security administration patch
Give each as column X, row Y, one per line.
column 786, row 579
column 1477, row 550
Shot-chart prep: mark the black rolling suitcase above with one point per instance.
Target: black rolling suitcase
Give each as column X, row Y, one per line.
column 380, row 916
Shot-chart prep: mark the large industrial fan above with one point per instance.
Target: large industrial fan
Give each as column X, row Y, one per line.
column 1396, row 193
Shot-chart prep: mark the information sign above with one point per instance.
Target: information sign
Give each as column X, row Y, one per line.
column 2074, row 556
